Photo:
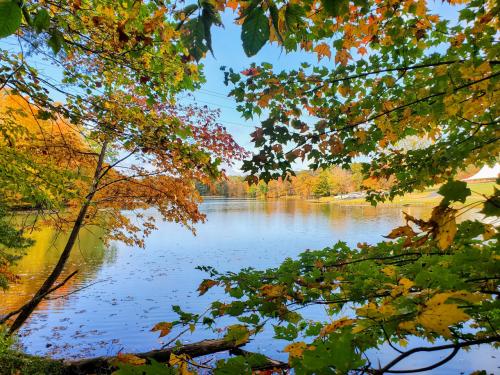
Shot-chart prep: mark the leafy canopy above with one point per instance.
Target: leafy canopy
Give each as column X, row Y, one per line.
column 400, row 70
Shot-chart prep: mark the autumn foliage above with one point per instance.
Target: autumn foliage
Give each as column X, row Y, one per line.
column 393, row 71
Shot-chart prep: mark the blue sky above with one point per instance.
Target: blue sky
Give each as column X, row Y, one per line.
column 229, row 52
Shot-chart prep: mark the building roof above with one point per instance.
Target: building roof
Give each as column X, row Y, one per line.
column 486, row 173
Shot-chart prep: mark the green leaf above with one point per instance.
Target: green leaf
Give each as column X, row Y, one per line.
column 334, row 7
column 10, row 17
column 236, row 365
column 255, row 32
column 196, row 37
column 454, row 191
column 237, row 333
column 56, row 41
column 492, row 205
column 294, row 14
column 41, row 21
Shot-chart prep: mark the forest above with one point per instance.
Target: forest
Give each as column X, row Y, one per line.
column 305, row 185
column 109, row 156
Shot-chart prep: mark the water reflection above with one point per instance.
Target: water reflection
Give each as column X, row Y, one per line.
column 137, row 287
column 88, row 255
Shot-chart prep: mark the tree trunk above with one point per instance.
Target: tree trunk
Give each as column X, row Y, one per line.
column 104, row 365
column 29, row 307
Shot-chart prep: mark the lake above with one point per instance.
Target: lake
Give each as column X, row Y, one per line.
column 127, row 290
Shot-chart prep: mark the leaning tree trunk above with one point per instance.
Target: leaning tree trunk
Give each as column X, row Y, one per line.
column 31, row 305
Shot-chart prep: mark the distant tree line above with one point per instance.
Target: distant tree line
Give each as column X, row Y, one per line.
column 306, row 184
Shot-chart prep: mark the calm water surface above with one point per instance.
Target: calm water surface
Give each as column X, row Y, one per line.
column 127, row 290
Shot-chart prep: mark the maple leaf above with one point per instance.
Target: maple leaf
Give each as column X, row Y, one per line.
column 405, row 230
column 272, row 291
column 342, row 57
column 205, row 285
column 445, row 226
column 163, row 327
column 180, row 361
column 332, row 327
column 296, row 349
column 251, row 72
column 238, row 334
column 233, row 4
column 438, row 316
column 454, row 191
column 323, row 50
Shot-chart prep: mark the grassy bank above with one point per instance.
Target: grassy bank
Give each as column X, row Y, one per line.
column 428, row 197
column 18, row 363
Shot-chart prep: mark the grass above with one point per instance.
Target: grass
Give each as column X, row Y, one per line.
column 18, row 363
column 428, row 197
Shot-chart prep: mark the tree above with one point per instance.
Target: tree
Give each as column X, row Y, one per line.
column 303, row 184
column 342, row 181
column 122, row 67
column 322, row 187
column 400, row 71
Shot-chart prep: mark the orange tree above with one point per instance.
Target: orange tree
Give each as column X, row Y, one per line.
column 115, row 142
column 401, row 70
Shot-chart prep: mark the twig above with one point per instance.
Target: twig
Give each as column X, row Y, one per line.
column 456, row 346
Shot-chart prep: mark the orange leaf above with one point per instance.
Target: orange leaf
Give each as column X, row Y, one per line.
column 400, row 232
column 163, row 327
column 233, row 4
column 206, row 285
column 322, row 50
column 130, row 359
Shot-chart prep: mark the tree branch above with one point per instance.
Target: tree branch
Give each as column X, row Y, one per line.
column 456, row 346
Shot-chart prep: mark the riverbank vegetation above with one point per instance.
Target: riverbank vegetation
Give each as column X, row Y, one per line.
column 108, row 134
column 331, row 185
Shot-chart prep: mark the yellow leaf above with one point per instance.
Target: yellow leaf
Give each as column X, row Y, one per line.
column 446, row 226
column 406, row 283
column 407, row 326
column 484, row 68
column 437, row 315
column 421, row 8
column 368, row 310
column 322, row 50
column 360, row 326
column 468, row 296
column 441, row 70
column 181, row 361
column 332, row 327
column 272, row 291
column 489, row 231
column 296, row 349
column 344, row 90
column 389, row 270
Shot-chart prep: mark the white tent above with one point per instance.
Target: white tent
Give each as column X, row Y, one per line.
column 486, row 173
